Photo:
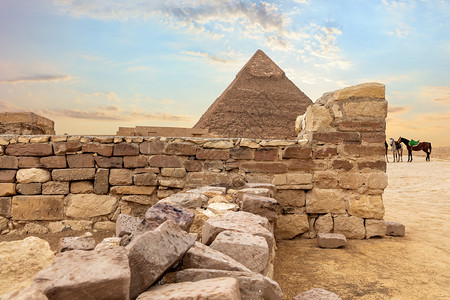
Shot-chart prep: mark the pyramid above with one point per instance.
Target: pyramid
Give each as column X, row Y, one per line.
column 261, row 102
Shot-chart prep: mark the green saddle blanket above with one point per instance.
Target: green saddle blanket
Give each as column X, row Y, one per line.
column 413, row 143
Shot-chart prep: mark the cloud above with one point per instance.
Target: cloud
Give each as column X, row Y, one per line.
column 6, row 106
column 403, row 31
column 37, row 78
column 302, row 1
column 398, row 109
column 110, row 96
column 438, row 94
column 209, row 56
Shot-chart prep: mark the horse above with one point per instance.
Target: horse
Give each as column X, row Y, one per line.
column 386, row 146
column 397, row 150
column 424, row 146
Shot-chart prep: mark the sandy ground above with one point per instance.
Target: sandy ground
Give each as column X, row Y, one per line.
column 416, row 266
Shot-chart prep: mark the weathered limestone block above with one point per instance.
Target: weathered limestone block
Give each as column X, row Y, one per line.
column 29, row 149
column 21, row 261
column 32, row 175
column 76, row 243
column 377, row 108
column 108, row 162
column 350, row 180
column 37, row 207
column 277, row 143
column 341, row 164
column 377, row 181
column 8, row 175
column 294, row 198
column 200, row 217
column 219, row 144
column 366, row 206
column 289, row 226
column 33, row 188
column 299, row 124
column 132, row 190
column 253, row 286
column 145, row 179
column 324, row 224
column 121, row 177
column 325, row 201
column 297, row 152
column 363, row 90
column 3, row 223
column 100, row 149
column 362, row 126
column 66, row 147
column 220, row 208
column 260, row 205
column 141, row 199
column 242, row 216
column 81, row 187
column 263, row 167
column 138, row 161
column 331, row 240
column 196, row 179
column 53, row 162
column 317, row 118
column 125, row 149
column 186, row 200
column 161, row 212
column 250, row 250
column 226, row 288
column 101, row 182
column 214, row 226
column 256, row 191
column 173, row 183
column 7, row 189
column 316, row 294
column 5, row 206
column 395, row 229
column 204, row 257
column 154, row 252
column 165, row 161
column 180, row 149
column 375, row 228
column 265, row 154
column 105, row 225
column 80, row 161
column 126, row 225
column 55, row 188
column 64, row 225
column 352, row 227
column 257, row 185
column 249, row 143
column 212, row 154
column 156, row 147
column 73, row 174
column 193, row 165
column 107, row 243
column 81, row 206
column 74, row 274
column 9, row 162
column 28, row 293
column 173, row 172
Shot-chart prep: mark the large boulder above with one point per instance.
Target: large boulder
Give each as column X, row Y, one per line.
column 21, row 260
column 260, row 205
column 76, row 243
column 160, row 212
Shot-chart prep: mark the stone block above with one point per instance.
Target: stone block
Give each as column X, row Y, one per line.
column 331, row 240
column 34, row 188
column 341, row 164
column 377, row 181
column 76, row 243
column 324, row 152
column 215, row 288
column 263, row 167
column 289, row 226
column 80, row 161
column 161, row 212
column 242, row 153
column 75, row 274
column 101, row 181
column 362, row 126
column 141, row 199
column 154, row 252
column 55, row 188
column 34, row 228
column 393, row 228
column 220, row 208
column 265, row 192
column 250, row 250
column 125, row 149
column 104, row 225
column 354, row 109
column 306, row 165
column 204, row 257
column 100, row 149
column 205, row 178
column 126, row 225
column 266, row 154
column 108, row 162
column 120, row 177
column 73, row 174
column 5, row 206
column 9, row 162
column 138, row 161
column 325, row 179
column 145, row 179
column 336, row 137
column 108, row 243
column 212, row 154
column 186, row 200
column 28, row 293
column 363, row 150
column 253, row 286
column 260, row 205
column 81, row 187
column 165, row 161
column 316, row 294
column 180, row 149
column 32, row 175
column 21, row 261
column 295, row 198
column 7, row 176
column 366, row 206
column 375, row 165
column 369, row 90
column 173, row 172
column 29, row 150
column 7, row 189
column 378, row 138
column 351, row 180
column 66, row 147
column 82, row 206
column 31, row 208
column 325, row 201
column 375, row 227
column 53, row 162
column 317, row 118
column 172, row 183
column 297, row 152
column 76, row 225
column 156, row 147
column 193, row 165
column 352, row 227
column 246, row 217
column 132, row 190
column 323, row 224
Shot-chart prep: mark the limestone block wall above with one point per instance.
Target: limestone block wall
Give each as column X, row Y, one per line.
column 25, row 123
column 329, row 180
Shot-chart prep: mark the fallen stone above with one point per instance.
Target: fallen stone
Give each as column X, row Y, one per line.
column 253, row 286
column 154, row 252
column 289, row 226
column 260, row 205
column 317, row 294
column 126, row 225
column 160, row 212
column 250, row 250
column 213, row 289
column 25, row 294
column 269, row 186
column 21, row 261
column 243, row 216
column 352, row 227
column 220, row 208
column 395, row 229
column 375, row 228
column 331, row 240
column 107, row 243
column 201, row 215
column 265, row 192
column 204, row 257
column 186, row 200
column 101, row 274
column 76, row 243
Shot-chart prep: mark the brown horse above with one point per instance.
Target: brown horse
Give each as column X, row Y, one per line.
column 424, row 146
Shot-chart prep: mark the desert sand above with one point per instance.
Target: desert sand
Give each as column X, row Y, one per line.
column 416, row 266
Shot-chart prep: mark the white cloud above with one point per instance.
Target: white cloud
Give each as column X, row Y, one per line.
column 403, row 31
column 43, row 78
column 438, row 94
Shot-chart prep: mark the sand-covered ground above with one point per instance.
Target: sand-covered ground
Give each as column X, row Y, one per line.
column 416, row 266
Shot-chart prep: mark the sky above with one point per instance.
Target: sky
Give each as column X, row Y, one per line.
column 92, row 66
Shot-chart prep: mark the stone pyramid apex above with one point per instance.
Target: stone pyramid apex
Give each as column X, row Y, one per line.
column 260, row 65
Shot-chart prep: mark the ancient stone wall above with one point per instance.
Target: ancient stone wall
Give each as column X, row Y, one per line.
column 329, row 180
column 25, row 123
